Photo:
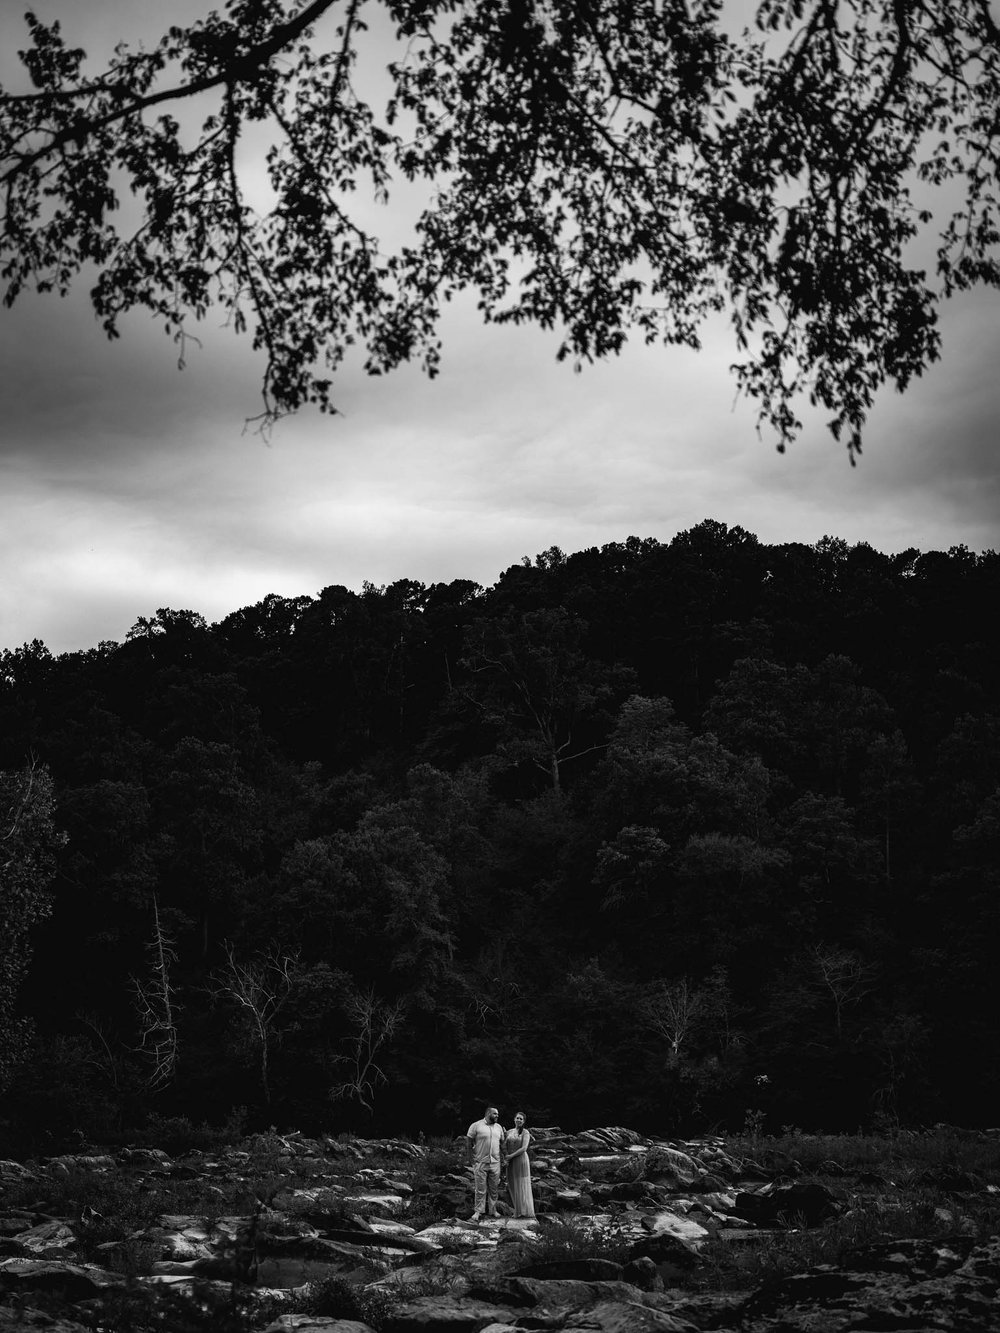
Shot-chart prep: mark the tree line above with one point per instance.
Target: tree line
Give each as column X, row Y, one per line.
column 666, row 834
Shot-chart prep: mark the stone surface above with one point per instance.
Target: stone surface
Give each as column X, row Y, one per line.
column 565, row 1294
column 583, row 1270
column 627, row 1317
column 444, row 1314
column 48, row 1238
column 671, row 1254
column 19, row 1320
column 644, row 1274
column 802, row 1203
column 309, row 1323
column 12, row 1173
column 670, row 1166
column 344, row 1212
column 907, row 1286
column 667, row 1223
column 73, row 1282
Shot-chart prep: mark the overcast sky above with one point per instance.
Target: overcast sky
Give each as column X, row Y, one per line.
column 126, row 485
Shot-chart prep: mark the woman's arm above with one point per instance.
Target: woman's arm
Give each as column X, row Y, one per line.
column 523, row 1148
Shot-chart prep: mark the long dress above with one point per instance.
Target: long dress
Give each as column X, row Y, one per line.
column 519, row 1174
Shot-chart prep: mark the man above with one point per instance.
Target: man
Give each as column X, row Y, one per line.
column 485, row 1141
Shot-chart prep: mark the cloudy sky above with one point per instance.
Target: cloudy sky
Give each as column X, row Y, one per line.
column 127, row 485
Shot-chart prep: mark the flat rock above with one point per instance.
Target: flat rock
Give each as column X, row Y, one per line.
column 311, row 1323
column 671, row 1254
column 557, row 1294
column 12, row 1173
column 393, row 1203
column 444, row 1314
column 628, row 1317
column 19, row 1320
column 671, row 1167
column 63, row 1165
column 47, row 1238
column 909, row 1286
column 668, row 1223
column 614, row 1136
column 802, row 1203
column 74, row 1282
column 583, row 1270
column 454, row 1237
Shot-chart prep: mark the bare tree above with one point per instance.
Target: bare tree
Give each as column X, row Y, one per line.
column 259, row 990
column 846, row 976
column 104, row 1059
column 671, row 1009
column 157, row 1006
column 375, row 1023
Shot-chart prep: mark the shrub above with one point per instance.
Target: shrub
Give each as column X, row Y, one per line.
column 137, row 1309
column 176, row 1134
column 333, row 1298
column 575, row 1240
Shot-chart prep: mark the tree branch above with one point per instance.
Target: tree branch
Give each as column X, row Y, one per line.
column 239, row 69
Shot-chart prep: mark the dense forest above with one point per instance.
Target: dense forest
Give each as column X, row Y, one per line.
column 674, row 835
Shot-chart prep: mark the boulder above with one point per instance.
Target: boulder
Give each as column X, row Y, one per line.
column 951, row 1180
column 583, row 1270
column 608, row 1166
column 444, row 1314
column 72, row 1282
column 669, row 1223
column 802, row 1203
column 629, row 1317
column 49, row 1238
column 154, row 1159
column 720, row 1201
column 564, row 1201
column 69, row 1162
column 388, row 1203
column 566, row 1294
column 13, row 1173
column 614, row 1136
column 20, row 1320
column 671, row 1254
column 335, row 1148
column 399, row 1148
column 671, row 1167
column 623, row 1191
column 573, row 1306
column 643, row 1273
column 456, row 1237
column 910, row 1286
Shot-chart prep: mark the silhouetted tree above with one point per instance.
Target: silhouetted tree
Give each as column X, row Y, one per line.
column 598, row 168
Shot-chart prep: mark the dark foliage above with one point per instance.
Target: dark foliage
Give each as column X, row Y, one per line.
column 601, row 169
column 652, row 833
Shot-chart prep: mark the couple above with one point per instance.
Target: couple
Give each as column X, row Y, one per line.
column 491, row 1151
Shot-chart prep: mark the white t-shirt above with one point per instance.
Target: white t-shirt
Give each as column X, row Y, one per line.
column 485, row 1139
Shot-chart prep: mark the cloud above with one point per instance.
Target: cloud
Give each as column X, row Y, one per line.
column 127, row 485
column 135, row 486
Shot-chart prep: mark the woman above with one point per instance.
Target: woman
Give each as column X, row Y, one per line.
column 519, row 1169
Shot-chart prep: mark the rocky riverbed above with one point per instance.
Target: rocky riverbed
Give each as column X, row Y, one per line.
column 629, row 1229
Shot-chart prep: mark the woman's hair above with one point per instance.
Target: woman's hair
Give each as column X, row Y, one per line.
column 520, row 1113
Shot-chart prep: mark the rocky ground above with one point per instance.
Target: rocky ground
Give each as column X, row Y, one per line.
column 629, row 1237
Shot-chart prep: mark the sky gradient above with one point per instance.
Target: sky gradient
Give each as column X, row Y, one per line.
column 127, row 485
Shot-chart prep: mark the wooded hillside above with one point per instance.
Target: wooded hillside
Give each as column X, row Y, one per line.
column 668, row 833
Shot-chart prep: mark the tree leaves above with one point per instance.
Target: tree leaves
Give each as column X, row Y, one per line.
column 602, row 170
